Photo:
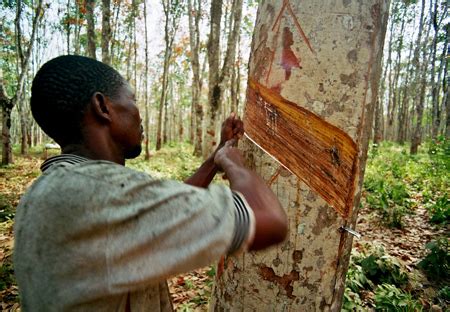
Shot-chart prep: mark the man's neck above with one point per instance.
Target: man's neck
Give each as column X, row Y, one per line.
column 95, row 154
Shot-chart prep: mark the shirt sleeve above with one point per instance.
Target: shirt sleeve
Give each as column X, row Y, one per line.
column 244, row 229
column 159, row 228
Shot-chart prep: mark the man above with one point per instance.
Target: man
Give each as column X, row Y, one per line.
column 94, row 235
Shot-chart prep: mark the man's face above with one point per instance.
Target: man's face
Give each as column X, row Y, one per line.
column 126, row 129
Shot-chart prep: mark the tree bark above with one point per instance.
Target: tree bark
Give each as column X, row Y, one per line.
column 146, row 117
column 446, row 99
column 23, row 60
column 172, row 11
column 419, row 79
column 218, row 78
column 106, row 31
column 7, row 106
column 194, row 14
column 90, row 7
column 435, row 120
column 296, row 72
column 403, row 108
column 395, row 92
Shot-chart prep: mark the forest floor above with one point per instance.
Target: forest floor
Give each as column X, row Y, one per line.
column 404, row 207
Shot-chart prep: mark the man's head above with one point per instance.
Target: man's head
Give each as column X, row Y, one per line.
column 73, row 97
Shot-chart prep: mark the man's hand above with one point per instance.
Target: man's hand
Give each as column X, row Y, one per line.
column 228, row 155
column 232, row 128
column 232, row 131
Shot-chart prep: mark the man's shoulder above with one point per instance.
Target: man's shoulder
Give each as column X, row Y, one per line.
column 101, row 171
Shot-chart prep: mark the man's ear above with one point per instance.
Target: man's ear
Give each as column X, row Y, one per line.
column 101, row 107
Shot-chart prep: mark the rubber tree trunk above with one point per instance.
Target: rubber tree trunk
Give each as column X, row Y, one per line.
column 90, row 6
column 310, row 103
column 106, row 31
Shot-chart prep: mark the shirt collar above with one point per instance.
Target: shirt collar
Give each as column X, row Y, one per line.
column 66, row 158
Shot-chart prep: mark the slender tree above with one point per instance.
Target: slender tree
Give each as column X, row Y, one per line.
column 219, row 77
column 420, row 79
column 23, row 59
column 91, row 47
column 146, row 117
column 172, row 13
column 194, row 15
column 106, row 31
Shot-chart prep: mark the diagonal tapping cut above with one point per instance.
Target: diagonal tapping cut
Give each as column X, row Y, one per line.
column 319, row 153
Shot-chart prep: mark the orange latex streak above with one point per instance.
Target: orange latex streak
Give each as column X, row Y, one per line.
column 319, row 153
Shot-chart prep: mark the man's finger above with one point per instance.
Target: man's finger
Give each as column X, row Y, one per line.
column 231, row 142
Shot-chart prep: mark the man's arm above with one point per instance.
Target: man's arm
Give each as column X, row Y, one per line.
column 232, row 127
column 270, row 218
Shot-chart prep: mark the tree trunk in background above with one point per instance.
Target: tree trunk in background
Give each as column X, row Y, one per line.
column 67, row 25
column 23, row 61
column 213, row 75
column 115, row 25
column 336, row 86
column 165, row 78
column 418, row 80
column 172, row 12
column 378, row 128
column 77, row 29
column 90, row 6
column 218, row 78
column 235, row 81
column 435, row 119
column 106, row 31
column 403, row 107
column 446, row 100
column 166, row 112
column 146, row 117
column 378, row 124
column 443, row 63
column 395, row 92
column 194, row 14
column 7, row 106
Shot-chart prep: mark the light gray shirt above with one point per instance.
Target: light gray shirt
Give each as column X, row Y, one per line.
column 97, row 236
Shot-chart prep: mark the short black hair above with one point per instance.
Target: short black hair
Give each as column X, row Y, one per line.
column 62, row 89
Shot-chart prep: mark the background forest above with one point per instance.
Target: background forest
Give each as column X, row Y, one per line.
column 175, row 53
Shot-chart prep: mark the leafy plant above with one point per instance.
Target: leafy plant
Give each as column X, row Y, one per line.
column 384, row 269
column 390, row 298
column 436, row 263
column 6, row 276
column 352, row 301
column 440, row 210
column 444, row 293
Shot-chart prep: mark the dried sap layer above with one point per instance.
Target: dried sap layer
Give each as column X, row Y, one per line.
column 320, row 154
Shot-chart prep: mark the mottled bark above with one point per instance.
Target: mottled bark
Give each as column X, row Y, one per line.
column 7, row 106
column 404, row 104
column 395, row 92
column 77, row 29
column 146, row 111
column 435, row 120
column 115, row 26
column 419, row 80
column 106, row 31
column 446, row 100
column 378, row 122
column 219, row 77
column 23, row 60
column 194, row 14
column 90, row 6
column 293, row 59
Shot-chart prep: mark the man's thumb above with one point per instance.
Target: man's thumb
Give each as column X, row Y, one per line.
column 231, row 142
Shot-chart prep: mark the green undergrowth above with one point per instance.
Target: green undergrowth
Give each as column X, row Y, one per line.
column 374, row 271
column 396, row 182
column 173, row 161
